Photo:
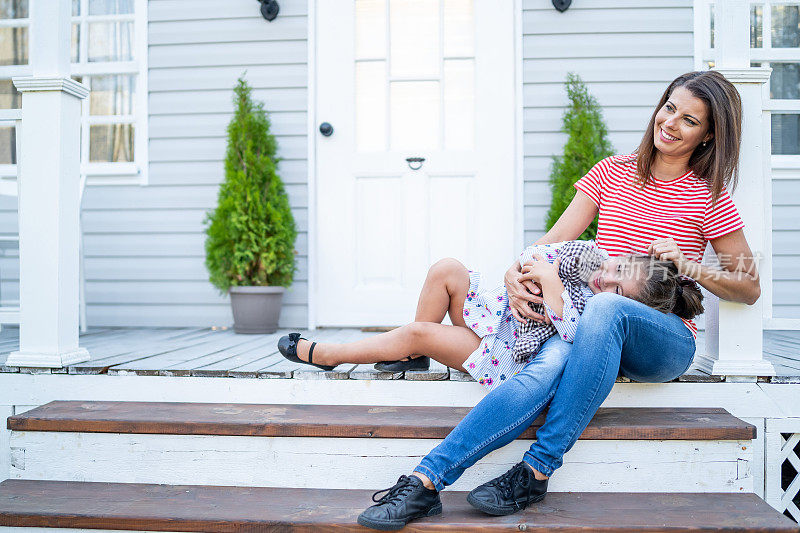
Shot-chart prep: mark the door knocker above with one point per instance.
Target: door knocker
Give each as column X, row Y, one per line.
column 412, row 161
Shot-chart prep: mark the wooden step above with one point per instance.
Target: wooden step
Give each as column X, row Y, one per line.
column 65, row 504
column 355, row 421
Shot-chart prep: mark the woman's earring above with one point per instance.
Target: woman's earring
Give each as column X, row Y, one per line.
column 704, row 144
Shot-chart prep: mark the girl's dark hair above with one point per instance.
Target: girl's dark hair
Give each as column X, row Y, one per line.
column 665, row 290
column 717, row 163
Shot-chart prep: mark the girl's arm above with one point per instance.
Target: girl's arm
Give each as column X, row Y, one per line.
column 574, row 221
column 736, row 282
column 557, row 302
column 565, row 322
column 546, row 275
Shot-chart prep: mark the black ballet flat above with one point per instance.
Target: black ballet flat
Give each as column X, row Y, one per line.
column 420, row 364
column 287, row 345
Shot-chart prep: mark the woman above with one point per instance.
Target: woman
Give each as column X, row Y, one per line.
column 668, row 199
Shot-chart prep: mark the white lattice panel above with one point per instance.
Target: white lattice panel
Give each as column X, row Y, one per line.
column 783, row 466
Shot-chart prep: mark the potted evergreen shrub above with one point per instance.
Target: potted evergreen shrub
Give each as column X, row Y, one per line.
column 251, row 234
column 587, row 143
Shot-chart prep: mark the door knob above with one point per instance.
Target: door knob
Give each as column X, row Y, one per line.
column 326, row 129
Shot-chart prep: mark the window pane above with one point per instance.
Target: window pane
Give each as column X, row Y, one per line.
column 8, row 145
column 112, row 95
column 76, row 42
column 13, row 9
column 370, row 106
column 370, row 29
column 756, row 27
column 10, row 98
column 785, row 81
column 414, row 36
column 415, row 115
column 110, row 7
column 111, row 143
column 711, row 23
column 459, row 28
column 76, row 8
column 785, row 32
column 111, row 41
column 785, row 139
column 13, row 46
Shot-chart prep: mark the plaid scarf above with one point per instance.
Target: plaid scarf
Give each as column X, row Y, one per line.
column 579, row 259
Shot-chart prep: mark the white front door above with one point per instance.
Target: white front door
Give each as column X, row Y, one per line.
column 400, row 79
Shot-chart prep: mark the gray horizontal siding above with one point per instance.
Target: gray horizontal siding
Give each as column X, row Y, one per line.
column 145, row 245
column 786, row 248
column 626, row 52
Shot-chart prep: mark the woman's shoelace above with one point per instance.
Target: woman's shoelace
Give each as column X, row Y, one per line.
column 507, row 481
column 394, row 492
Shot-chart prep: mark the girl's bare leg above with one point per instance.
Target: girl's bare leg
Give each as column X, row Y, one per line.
column 450, row 345
column 444, row 291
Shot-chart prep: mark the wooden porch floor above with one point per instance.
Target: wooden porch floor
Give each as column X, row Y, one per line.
column 206, row 352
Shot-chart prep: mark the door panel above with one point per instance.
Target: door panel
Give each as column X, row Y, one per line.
column 400, row 79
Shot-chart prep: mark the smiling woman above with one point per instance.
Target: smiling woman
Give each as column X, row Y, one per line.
column 696, row 109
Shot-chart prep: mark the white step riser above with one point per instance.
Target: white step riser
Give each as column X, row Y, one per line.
column 621, row 466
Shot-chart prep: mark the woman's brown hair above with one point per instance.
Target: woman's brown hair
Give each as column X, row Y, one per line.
column 717, row 162
column 664, row 289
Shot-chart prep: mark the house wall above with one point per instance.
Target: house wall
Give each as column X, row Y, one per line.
column 627, row 52
column 144, row 245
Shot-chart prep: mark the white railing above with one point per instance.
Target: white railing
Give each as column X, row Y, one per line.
column 9, row 187
column 49, row 181
column 735, row 332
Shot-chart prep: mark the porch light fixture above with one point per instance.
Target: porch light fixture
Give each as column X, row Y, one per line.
column 270, row 8
column 562, row 5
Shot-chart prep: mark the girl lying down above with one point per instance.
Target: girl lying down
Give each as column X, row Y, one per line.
column 485, row 340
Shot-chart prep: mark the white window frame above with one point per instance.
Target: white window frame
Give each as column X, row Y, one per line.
column 105, row 173
column 784, row 166
column 8, row 72
column 116, row 173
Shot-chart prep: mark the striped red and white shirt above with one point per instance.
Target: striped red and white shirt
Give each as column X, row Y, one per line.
column 631, row 217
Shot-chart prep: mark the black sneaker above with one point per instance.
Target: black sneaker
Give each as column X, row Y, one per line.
column 406, row 501
column 420, row 363
column 509, row 493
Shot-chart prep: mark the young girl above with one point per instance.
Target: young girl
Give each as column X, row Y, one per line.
column 484, row 334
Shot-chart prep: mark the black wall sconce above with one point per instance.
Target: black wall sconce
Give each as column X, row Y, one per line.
column 562, row 5
column 270, row 8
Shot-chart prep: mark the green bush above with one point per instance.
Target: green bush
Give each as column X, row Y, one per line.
column 586, row 145
column 251, row 234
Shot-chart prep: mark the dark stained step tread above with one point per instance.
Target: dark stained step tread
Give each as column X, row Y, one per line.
column 31, row 503
column 356, row 421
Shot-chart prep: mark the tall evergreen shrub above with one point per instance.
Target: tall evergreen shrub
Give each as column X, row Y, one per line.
column 251, row 234
column 586, row 145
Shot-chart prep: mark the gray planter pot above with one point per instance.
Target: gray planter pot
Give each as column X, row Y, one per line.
column 256, row 309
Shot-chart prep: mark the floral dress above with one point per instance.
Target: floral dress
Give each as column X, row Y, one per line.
column 486, row 312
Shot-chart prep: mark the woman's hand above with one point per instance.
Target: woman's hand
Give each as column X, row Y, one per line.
column 666, row 249
column 522, row 290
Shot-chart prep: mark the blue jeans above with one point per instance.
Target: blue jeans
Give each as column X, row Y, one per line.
column 615, row 334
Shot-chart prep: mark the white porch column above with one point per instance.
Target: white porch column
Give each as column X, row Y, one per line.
column 49, row 172
column 734, row 332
